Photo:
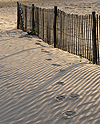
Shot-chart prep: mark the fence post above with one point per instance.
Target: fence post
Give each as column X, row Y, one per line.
column 94, row 38
column 33, row 12
column 18, row 16
column 55, row 26
column 26, row 18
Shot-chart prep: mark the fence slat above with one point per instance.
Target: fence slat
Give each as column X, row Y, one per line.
column 37, row 21
column 55, row 26
column 72, row 36
column 74, row 32
column 43, row 22
column 26, row 18
column 33, row 12
column 97, row 39
column 94, row 39
column 18, row 16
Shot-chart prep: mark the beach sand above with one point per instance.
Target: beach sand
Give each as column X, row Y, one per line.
column 40, row 84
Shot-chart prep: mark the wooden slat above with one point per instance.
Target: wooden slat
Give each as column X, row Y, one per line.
column 94, row 39
column 26, row 18
column 76, row 32
column 72, row 34
column 97, row 40
column 82, row 35
column 33, row 16
column 87, row 39
column 69, row 33
column 55, row 26
column 43, row 22
column 18, row 16
column 81, row 32
column 38, row 21
column 63, row 30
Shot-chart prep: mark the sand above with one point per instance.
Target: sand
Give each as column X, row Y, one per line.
column 40, row 84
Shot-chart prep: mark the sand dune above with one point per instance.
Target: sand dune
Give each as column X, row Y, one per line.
column 40, row 84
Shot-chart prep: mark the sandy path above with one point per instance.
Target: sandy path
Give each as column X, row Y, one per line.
column 40, row 84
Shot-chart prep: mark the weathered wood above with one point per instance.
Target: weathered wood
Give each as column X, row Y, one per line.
column 38, row 21
column 60, row 30
column 91, row 39
column 55, row 26
column 44, row 25
column 33, row 13
column 94, row 38
column 72, row 50
column 97, row 39
column 82, row 34
column 18, row 16
column 49, row 22
column 68, row 33
column 21, row 17
column 76, row 32
column 43, row 22
column 87, row 37
column 63, row 30
column 47, row 27
column 26, row 18
column 46, row 38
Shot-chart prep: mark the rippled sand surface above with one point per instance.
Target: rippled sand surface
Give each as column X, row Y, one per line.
column 40, row 84
column 43, row 85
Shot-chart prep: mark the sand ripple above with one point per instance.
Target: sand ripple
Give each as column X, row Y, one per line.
column 41, row 88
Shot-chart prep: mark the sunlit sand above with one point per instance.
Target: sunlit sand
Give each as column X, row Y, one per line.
column 40, row 84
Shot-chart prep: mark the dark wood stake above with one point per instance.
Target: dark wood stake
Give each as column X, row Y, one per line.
column 94, row 38
column 55, row 26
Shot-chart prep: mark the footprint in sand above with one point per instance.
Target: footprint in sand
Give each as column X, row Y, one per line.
column 37, row 43
column 58, row 98
column 74, row 95
column 68, row 114
column 46, row 51
column 48, row 59
column 62, row 70
column 60, row 83
column 42, row 45
column 56, row 65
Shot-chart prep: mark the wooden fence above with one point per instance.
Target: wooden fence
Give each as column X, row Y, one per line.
column 77, row 34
